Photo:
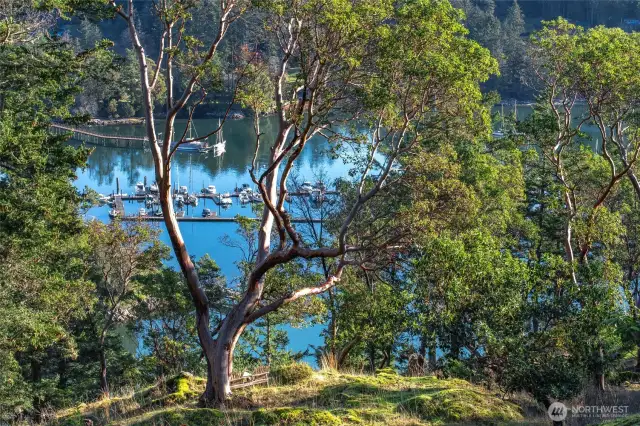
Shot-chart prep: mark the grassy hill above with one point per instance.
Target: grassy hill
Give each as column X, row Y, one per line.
column 326, row 398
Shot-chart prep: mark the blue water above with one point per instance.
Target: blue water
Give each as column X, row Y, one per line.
column 132, row 165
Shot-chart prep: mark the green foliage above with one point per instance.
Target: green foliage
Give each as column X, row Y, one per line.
column 293, row 373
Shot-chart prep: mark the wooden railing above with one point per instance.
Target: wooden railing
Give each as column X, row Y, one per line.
column 243, row 380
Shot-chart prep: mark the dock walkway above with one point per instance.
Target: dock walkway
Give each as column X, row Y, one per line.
column 98, row 138
column 204, row 219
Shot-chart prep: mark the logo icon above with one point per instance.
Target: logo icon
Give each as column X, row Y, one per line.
column 557, row 412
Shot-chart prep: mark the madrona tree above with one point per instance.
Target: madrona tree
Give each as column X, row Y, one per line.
column 379, row 79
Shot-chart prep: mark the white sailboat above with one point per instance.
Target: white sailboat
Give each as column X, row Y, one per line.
column 220, row 147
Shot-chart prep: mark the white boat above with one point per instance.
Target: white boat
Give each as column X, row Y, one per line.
column 244, row 198
column 220, row 147
column 154, row 188
column 183, row 190
column 256, row 197
column 113, row 213
column 306, row 187
column 206, row 212
column 140, row 189
column 225, row 199
column 189, row 145
column 103, row 198
column 142, row 212
column 211, row 189
column 192, row 199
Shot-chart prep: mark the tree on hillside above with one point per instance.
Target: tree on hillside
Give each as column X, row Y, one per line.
column 515, row 66
column 43, row 289
column 120, row 257
column 352, row 65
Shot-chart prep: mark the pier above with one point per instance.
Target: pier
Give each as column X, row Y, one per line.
column 213, row 196
column 118, row 209
column 98, row 138
column 150, row 218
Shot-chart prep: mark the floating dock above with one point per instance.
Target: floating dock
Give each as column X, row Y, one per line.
column 150, row 218
column 212, row 196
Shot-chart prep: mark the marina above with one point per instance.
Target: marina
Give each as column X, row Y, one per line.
column 148, row 195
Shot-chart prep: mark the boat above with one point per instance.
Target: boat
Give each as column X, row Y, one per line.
column 256, row 197
column 190, row 145
column 103, row 198
column 320, row 185
column 154, row 188
column 244, row 198
column 192, row 199
column 225, row 199
column 211, row 189
column 183, row 190
column 206, row 212
column 142, row 212
column 220, row 147
column 306, row 187
column 140, row 189
column 113, row 213
column 180, row 213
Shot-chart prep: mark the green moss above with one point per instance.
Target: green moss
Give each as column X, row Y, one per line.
column 182, row 416
column 388, row 371
column 624, row 421
column 182, row 387
column 295, row 417
column 461, row 405
column 289, row 374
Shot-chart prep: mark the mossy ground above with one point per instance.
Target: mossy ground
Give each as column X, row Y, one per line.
column 327, row 398
column 624, row 421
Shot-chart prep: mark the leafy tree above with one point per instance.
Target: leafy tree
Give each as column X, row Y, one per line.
column 355, row 63
column 89, row 34
column 42, row 286
column 120, row 256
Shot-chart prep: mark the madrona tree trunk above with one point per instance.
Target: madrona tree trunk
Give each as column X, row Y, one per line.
column 104, row 384
column 189, row 272
column 234, row 323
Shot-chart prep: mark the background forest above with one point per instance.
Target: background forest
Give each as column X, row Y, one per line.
column 506, row 260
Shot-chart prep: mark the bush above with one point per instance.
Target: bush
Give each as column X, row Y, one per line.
column 292, row 373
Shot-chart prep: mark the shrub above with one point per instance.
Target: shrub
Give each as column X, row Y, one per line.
column 292, row 373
